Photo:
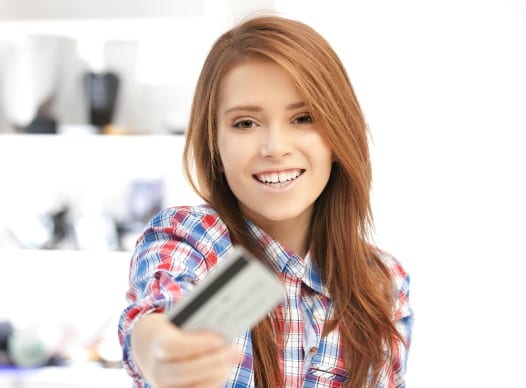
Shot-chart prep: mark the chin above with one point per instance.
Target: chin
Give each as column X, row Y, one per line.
column 278, row 215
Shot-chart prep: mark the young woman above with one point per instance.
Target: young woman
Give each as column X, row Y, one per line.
column 277, row 147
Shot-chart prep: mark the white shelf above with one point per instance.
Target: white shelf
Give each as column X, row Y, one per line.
column 41, row 173
column 49, row 290
column 57, row 291
column 66, row 377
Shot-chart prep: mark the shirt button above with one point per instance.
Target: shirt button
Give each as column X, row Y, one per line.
column 313, row 350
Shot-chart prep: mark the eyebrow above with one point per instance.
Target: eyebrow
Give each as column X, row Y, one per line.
column 256, row 108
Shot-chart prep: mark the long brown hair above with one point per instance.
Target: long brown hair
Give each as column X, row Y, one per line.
column 359, row 284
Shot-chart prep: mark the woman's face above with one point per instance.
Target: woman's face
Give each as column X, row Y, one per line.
column 273, row 156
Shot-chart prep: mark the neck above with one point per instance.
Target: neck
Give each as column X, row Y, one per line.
column 291, row 234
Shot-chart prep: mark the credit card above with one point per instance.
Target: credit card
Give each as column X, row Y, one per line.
column 234, row 297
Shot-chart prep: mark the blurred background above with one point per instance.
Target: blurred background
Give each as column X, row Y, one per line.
column 94, row 100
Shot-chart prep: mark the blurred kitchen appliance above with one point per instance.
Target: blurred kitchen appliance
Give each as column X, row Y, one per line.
column 7, row 50
column 32, row 78
column 101, row 96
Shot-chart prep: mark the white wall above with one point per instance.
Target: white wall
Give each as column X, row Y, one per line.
column 443, row 86
column 58, row 9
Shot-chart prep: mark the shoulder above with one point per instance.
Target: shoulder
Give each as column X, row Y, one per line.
column 400, row 279
column 185, row 237
column 186, row 215
column 395, row 266
column 189, row 220
column 197, row 226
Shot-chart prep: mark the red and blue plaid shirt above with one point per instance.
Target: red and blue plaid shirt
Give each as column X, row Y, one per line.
column 181, row 245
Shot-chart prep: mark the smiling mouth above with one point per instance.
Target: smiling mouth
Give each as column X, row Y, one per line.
column 279, row 178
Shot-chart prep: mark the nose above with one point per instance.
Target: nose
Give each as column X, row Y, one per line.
column 276, row 142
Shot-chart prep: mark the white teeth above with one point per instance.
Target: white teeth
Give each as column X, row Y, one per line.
column 280, row 177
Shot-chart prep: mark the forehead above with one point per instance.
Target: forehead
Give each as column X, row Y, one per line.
column 254, row 81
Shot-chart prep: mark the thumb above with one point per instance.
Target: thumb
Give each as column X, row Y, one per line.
column 180, row 344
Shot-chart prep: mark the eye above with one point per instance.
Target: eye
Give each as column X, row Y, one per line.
column 303, row 119
column 244, row 124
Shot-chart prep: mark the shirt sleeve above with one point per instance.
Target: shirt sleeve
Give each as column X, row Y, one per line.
column 174, row 252
column 403, row 318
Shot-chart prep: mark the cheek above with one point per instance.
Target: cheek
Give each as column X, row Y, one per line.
column 325, row 161
column 222, row 152
column 325, row 155
column 230, row 156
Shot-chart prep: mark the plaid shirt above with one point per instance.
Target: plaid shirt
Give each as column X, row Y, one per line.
column 181, row 245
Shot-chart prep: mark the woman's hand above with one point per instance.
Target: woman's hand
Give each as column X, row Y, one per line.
column 169, row 357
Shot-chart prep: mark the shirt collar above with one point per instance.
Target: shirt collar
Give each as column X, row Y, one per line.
column 312, row 277
column 287, row 261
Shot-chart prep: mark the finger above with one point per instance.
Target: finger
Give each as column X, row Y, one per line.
column 179, row 344
column 214, row 383
column 214, row 366
column 204, row 366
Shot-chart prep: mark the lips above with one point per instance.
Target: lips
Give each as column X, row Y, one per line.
column 277, row 177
